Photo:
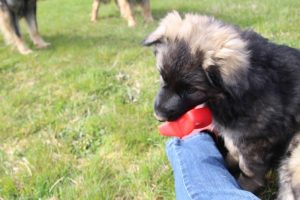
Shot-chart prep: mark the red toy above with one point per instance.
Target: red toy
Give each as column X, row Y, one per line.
column 197, row 118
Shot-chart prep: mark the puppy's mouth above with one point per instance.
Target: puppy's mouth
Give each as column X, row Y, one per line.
column 169, row 118
column 173, row 116
column 159, row 118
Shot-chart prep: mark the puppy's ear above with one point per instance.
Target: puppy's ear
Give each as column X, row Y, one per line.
column 153, row 38
column 215, row 78
column 167, row 30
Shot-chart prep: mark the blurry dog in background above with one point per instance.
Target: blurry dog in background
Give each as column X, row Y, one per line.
column 125, row 7
column 251, row 85
column 10, row 13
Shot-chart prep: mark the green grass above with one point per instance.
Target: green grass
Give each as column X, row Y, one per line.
column 76, row 119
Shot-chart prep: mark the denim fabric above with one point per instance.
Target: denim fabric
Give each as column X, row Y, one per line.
column 200, row 172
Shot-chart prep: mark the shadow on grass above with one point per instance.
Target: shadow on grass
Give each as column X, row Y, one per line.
column 82, row 41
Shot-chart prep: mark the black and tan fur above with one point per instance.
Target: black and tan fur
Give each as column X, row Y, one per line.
column 251, row 85
column 289, row 172
column 126, row 10
column 10, row 13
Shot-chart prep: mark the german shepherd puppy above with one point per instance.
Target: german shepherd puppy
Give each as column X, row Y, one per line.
column 251, row 85
column 10, row 13
column 126, row 10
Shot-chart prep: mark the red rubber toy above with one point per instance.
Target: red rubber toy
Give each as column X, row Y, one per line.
column 197, row 118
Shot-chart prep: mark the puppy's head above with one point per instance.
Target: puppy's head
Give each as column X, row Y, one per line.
column 198, row 58
column 183, row 81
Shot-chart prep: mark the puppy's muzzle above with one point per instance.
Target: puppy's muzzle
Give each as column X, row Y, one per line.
column 159, row 118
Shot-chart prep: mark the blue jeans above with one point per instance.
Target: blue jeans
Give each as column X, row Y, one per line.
column 200, row 172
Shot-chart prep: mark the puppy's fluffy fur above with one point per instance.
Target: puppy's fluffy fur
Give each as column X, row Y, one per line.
column 251, row 85
column 289, row 172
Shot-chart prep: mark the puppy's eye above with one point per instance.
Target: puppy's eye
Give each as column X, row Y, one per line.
column 184, row 90
column 190, row 90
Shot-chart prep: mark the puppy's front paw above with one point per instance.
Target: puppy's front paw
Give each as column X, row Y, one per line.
column 232, row 165
column 250, row 183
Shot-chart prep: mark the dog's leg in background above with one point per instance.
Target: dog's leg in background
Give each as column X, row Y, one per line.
column 289, row 172
column 10, row 29
column 126, row 12
column 147, row 10
column 31, row 20
column 95, row 9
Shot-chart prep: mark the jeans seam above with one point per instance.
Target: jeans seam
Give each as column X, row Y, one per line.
column 182, row 173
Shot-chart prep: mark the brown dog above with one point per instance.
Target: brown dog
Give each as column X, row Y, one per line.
column 10, row 13
column 126, row 10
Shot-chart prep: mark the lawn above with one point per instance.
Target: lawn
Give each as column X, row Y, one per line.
column 76, row 119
